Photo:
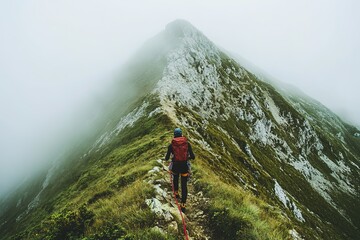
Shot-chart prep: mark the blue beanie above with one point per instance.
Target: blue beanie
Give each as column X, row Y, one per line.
column 177, row 132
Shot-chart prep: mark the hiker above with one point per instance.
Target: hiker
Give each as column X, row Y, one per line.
column 181, row 152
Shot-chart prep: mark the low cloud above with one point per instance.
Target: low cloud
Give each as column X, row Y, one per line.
column 57, row 58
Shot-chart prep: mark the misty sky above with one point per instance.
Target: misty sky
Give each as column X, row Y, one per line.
column 55, row 56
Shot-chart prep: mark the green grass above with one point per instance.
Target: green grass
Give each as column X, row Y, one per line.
column 235, row 213
column 103, row 196
column 113, row 191
column 111, row 187
column 233, row 163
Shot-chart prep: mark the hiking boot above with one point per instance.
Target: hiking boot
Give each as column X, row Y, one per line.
column 177, row 195
column 183, row 207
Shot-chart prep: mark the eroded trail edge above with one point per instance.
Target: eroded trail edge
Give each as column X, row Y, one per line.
column 168, row 219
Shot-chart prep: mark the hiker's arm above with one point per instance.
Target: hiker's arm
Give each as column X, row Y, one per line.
column 191, row 154
column 167, row 157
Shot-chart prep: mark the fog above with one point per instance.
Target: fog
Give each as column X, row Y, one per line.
column 59, row 57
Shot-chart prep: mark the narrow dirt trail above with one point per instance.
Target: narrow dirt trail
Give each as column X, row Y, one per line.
column 196, row 219
column 166, row 210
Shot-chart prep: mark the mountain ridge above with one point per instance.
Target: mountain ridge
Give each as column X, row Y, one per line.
column 258, row 152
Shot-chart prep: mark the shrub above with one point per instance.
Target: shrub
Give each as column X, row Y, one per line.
column 99, row 195
column 108, row 231
column 227, row 226
column 67, row 224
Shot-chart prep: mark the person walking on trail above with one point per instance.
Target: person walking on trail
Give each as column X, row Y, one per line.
column 181, row 152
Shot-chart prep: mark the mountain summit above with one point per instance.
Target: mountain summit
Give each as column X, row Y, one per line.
column 181, row 28
column 270, row 164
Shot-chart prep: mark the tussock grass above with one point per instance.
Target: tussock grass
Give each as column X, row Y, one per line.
column 237, row 214
column 111, row 186
column 127, row 207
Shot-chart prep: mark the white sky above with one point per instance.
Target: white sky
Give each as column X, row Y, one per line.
column 54, row 55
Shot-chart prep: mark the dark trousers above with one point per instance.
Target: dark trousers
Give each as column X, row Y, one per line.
column 183, row 186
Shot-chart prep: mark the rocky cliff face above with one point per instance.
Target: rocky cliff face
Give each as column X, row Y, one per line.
column 270, row 164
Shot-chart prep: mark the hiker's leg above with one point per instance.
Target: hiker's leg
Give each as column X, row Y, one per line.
column 184, row 188
column 176, row 182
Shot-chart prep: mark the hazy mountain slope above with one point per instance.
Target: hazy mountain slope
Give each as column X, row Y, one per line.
column 268, row 123
column 272, row 165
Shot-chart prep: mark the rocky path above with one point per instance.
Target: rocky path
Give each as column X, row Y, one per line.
column 166, row 210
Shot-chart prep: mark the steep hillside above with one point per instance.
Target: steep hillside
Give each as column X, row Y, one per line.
column 269, row 165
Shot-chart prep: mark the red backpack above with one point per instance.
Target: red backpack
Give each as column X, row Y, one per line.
column 180, row 148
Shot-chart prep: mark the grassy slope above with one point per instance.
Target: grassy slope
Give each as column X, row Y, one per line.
column 234, row 161
column 227, row 192
column 107, row 199
column 110, row 188
column 103, row 197
column 297, row 186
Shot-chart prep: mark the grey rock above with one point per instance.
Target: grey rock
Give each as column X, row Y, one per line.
column 156, row 169
column 161, row 210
